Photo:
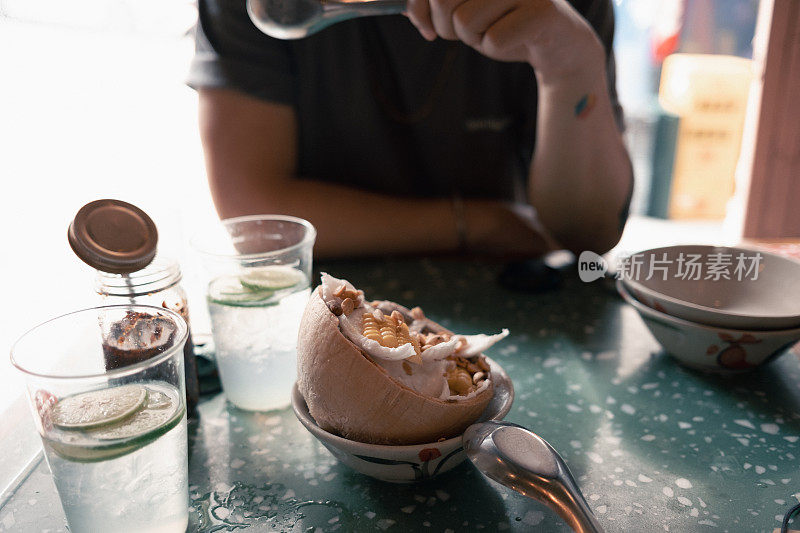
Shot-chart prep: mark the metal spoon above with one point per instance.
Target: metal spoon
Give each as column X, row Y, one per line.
column 295, row 19
column 523, row 461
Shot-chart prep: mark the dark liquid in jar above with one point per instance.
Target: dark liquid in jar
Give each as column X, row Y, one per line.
column 138, row 337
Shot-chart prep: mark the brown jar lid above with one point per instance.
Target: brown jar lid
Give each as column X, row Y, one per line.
column 113, row 236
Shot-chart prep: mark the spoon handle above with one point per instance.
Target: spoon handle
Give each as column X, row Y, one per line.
column 365, row 8
column 576, row 512
column 559, row 491
column 523, row 461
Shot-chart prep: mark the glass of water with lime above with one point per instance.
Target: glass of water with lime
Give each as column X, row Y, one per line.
column 260, row 272
column 114, row 433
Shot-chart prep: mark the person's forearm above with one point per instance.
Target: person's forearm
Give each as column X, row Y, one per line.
column 580, row 165
column 349, row 221
column 353, row 222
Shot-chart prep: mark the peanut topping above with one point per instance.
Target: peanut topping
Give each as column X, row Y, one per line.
column 343, row 293
column 398, row 317
column 459, row 381
column 407, row 368
column 466, row 375
column 433, row 340
column 347, row 306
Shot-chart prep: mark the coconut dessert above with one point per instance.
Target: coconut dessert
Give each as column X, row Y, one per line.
column 377, row 372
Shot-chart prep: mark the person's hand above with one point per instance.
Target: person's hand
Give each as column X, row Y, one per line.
column 548, row 34
column 505, row 230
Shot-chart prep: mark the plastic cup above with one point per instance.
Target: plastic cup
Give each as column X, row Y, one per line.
column 259, row 283
column 106, row 387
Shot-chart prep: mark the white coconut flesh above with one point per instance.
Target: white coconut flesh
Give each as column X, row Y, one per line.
column 428, row 378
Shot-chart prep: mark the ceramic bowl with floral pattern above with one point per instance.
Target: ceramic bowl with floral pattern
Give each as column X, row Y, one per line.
column 721, row 350
column 405, row 464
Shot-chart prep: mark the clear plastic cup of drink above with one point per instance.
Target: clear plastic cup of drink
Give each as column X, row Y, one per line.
column 106, row 387
column 260, row 272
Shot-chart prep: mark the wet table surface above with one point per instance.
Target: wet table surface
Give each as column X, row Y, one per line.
column 654, row 446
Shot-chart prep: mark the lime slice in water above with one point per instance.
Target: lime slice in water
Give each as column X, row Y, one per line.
column 272, row 277
column 228, row 290
column 159, row 409
column 98, row 408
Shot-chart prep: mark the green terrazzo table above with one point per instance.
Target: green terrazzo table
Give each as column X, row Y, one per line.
column 654, row 446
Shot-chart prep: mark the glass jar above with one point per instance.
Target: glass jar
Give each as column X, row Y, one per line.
column 157, row 284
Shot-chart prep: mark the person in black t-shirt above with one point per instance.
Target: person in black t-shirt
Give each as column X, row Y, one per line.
column 422, row 133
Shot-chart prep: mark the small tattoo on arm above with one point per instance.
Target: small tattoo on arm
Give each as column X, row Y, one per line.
column 585, row 105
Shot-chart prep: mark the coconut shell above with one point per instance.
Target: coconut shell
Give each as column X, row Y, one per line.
column 349, row 395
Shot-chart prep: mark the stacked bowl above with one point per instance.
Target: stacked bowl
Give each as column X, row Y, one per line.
column 715, row 308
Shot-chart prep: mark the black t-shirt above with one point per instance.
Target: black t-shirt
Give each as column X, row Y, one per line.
column 380, row 108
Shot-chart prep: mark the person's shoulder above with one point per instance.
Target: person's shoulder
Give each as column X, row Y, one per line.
column 230, row 52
